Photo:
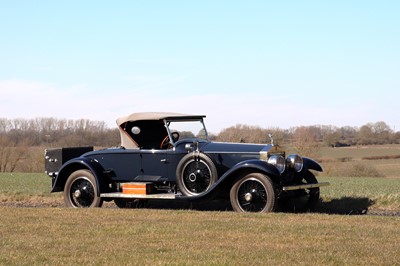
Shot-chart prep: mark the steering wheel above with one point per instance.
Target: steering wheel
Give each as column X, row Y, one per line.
column 166, row 143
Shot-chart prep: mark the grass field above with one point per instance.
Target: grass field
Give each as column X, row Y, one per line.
column 388, row 167
column 60, row 236
column 358, row 152
column 344, row 195
column 347, row 195
column 43, row 232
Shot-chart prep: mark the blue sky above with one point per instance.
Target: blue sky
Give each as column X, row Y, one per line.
column 266, row 63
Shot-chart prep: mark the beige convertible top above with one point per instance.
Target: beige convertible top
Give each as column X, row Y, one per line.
column 154, row 116
column 127, row 140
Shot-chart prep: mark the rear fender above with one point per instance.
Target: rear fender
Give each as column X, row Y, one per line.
column 311, row 164
column 77, row 164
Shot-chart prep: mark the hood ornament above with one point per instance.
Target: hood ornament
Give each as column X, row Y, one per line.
column 271, row 139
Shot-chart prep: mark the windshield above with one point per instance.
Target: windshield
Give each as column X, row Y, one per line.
column 188, row 129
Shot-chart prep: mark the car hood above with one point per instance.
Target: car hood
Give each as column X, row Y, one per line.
column 227, row 147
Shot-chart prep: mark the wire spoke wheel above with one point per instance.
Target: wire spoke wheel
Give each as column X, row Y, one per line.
column 253, row 193
column 80, row 190
column 252, row 196
column 195, row 174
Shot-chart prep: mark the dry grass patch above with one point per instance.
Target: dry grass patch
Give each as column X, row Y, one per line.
column 61, row 236
column 351, row 169
column 345, row 160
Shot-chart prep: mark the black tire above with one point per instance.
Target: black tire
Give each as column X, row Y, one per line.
column 302, row 200
column 80, row 190
column 129, row 203
column 253, row 192
column 195, row 174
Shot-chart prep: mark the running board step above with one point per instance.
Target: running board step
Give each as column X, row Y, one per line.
column 138, row 196
column 305, row 186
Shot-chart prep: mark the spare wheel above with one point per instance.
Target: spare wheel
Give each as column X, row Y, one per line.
column 195, row 174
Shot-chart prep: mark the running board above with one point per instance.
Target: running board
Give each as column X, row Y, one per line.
column 305, row 186
column 138, row 196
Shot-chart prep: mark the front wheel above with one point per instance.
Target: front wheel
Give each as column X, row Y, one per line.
column 81, row 190
column 253, row 193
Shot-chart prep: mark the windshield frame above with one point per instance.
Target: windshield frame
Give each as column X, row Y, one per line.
column 167, row 123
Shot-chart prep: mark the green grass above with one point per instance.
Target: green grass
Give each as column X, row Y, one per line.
column 343, row 195
column 353, row 194
column 60, row 236
column 25, row 186
column 25, row 183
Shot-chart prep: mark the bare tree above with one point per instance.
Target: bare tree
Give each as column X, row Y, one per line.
column 365, row 135
column 10, row 155
column 306, row 141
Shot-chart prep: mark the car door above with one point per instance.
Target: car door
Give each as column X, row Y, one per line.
column 120, row 164
column 154, row 167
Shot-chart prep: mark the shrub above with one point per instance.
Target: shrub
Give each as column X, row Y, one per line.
column 352, row 169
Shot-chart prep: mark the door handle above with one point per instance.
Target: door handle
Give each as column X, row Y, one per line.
column 164, row 161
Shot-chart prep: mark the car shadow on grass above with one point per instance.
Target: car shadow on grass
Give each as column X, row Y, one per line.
column 212, row 205
column 345, row 206
column 342, row 206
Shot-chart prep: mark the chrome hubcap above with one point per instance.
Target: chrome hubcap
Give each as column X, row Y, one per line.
column 77, row 193
column 193, row 177
column 248, row 197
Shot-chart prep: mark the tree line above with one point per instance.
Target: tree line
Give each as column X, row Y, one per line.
column 53, row 132
column 22, row 141
column 368, row 134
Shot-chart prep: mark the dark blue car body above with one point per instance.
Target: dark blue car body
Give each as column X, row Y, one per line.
column 180, row 165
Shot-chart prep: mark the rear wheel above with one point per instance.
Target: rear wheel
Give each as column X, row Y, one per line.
column 80, row 190
column 253, row 193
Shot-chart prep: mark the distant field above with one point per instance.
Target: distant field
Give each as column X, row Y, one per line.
column 358, row 152
column 343, row 156
column 25, row 184
column 20, row 186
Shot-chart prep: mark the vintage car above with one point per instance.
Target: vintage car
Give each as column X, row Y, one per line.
column 169, row 156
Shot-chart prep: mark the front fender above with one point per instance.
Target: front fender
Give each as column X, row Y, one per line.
column 77, row 164
column 229, row 177
column 312, row 165
column 253, row 164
